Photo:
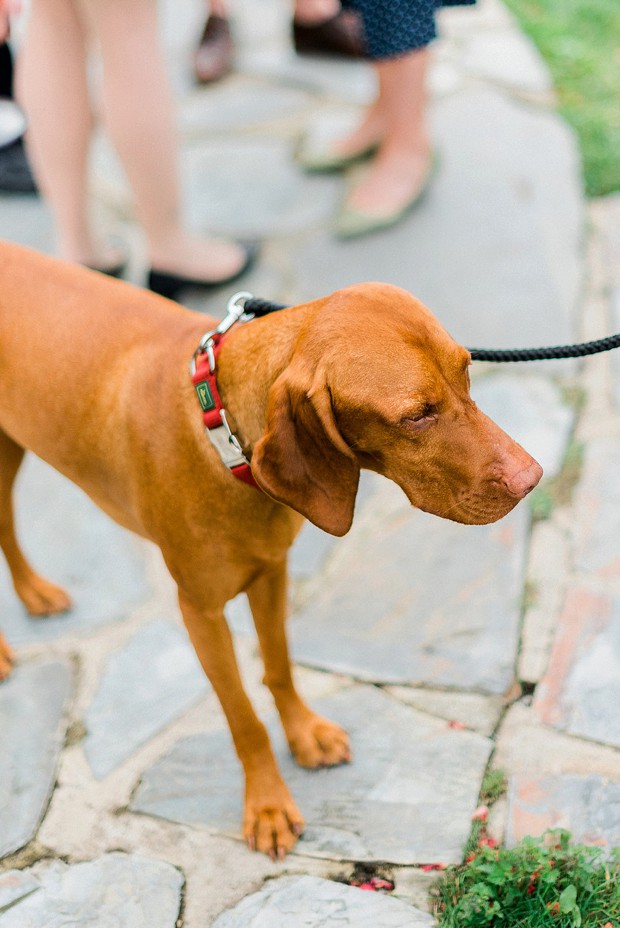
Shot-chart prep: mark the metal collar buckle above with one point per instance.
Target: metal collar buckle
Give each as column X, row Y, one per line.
column 227, row 444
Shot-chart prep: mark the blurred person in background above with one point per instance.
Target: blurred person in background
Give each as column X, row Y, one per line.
column 318, row 27
column 393, row 130
column 138, row 113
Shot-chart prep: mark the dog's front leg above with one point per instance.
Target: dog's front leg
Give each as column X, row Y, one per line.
column 313, row 740
column 271, row 821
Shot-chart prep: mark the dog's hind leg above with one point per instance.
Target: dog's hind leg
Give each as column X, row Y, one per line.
column 39, row 596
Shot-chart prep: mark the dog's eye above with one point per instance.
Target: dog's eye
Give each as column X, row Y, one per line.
column 420, row 420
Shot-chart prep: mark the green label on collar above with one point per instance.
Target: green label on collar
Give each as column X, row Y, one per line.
column 205, row 396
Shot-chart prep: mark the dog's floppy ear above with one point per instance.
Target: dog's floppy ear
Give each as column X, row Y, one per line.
column 302, row 459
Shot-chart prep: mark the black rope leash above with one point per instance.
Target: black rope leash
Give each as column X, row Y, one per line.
column 262, row 307
column 545, row 354
column 500, row 355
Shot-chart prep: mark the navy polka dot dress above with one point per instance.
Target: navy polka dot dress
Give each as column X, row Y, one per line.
column 394, row 27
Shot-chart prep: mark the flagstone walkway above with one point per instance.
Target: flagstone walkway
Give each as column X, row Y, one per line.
column 445, row 650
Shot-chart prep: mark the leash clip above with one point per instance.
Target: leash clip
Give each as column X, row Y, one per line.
column 235, row 312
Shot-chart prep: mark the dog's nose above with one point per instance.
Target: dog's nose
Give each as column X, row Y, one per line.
column 521, row 483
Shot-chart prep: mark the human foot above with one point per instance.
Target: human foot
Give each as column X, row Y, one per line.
column 97, row 256
column 211, row 260
column 199, row 273
column 392, row 181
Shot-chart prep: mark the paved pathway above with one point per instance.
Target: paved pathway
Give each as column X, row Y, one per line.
column 445, row 650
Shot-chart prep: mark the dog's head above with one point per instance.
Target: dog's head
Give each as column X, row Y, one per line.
column 376, row 382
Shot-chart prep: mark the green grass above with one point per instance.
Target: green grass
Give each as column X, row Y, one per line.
column 580, row 41
column 541, row 883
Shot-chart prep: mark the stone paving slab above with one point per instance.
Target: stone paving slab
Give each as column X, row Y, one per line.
column 113, row 891
column 316, row 903
column 144, row 686
column 473, row 710
column 430, row 601
column 509, row 58
column 527, row 746
column 456, row 22
column 348, row 81
column 406, row 798
column 32, row 703
column 525, row 288
column 588, row 807
column 546, row 585
column 596, row 524
column 252, row 187
column 580, row 692
column 100, row 564
column 15, row 885
column 238, row 106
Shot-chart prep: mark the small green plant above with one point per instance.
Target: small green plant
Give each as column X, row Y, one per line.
column 494, row 785
column 541, row 883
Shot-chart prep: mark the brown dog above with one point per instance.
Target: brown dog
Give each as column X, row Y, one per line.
column 94, row 379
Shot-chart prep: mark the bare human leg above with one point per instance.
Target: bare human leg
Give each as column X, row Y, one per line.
column 403, row 159
column 52, row 86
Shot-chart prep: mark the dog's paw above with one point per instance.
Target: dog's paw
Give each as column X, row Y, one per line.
column 317, row 742
column 6, row 658
column 41, row 598
column 271, row 822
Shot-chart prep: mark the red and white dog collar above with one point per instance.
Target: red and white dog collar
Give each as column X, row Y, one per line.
column 203, row 369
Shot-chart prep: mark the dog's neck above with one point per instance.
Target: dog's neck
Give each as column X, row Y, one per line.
column 253, row 356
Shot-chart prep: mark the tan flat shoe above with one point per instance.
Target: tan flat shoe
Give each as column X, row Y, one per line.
column 351, row 222
column 328, row 160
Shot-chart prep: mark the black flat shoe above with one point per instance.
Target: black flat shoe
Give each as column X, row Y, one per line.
column 170, row 285
column 15, row 174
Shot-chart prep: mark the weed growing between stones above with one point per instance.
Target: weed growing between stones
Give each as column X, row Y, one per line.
column 494, row 785
column 540, row 883
column 374, row 877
